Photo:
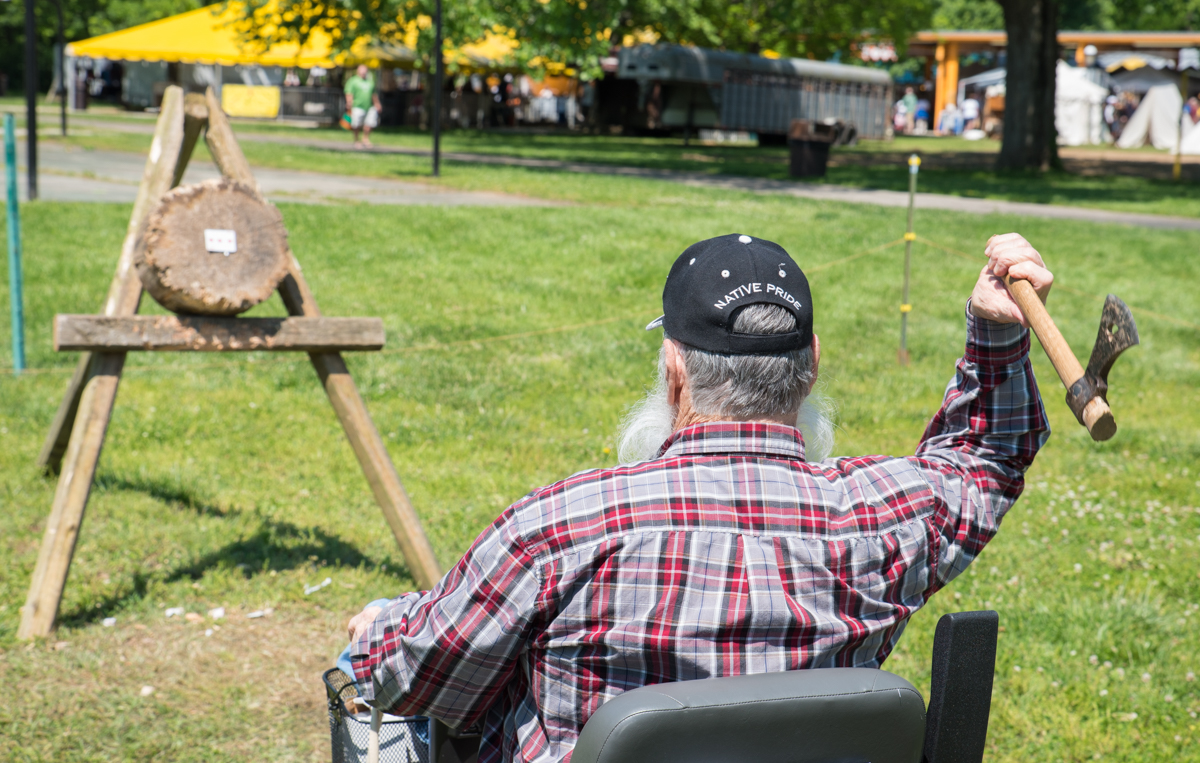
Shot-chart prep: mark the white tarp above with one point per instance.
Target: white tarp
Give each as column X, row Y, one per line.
column 980, row 82
column 1078, row 107
column 1141, row 80
column 1156, row 120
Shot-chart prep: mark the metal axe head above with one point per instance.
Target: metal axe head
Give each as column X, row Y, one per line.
column 1118, row 332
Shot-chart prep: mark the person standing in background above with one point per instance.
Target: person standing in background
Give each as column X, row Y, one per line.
column 950, row 122
column 910, row 109
column 922, row 120
column 970, row 112
column 363, row 104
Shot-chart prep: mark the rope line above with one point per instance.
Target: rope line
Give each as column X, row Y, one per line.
column 434, row 345
column 853, row 257
column 502, row 337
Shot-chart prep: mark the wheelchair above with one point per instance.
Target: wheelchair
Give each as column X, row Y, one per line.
column 828, row 715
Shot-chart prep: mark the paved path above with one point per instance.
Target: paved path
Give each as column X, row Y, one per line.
column 110, row 169
column 77, row 175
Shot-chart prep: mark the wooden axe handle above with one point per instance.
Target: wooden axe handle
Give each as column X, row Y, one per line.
column 1097, row 416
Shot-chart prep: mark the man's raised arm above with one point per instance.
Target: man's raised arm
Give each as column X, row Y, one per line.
column 991, row 424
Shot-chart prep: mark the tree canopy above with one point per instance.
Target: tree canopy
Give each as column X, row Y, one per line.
column 82, row 19
column 1097, row 15
column 580, row 32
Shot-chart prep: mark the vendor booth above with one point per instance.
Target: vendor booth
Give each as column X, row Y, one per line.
column 1078, row 102
column 200, row 49
column 1096, row 51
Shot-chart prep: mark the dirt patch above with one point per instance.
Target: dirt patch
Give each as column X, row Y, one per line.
column 164, row 690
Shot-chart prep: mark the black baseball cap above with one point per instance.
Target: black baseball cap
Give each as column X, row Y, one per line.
column 714, row 279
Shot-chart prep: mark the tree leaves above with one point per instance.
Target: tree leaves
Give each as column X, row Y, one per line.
column 577, row 33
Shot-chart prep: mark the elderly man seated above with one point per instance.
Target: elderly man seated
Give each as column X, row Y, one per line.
column 725, row 547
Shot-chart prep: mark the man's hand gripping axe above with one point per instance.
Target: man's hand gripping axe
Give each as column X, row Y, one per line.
column 1087, row 391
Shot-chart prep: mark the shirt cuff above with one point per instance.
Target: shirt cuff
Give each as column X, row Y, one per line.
column 994, row 344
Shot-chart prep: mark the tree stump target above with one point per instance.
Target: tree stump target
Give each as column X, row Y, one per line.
column 160, row 246
column 177, row 265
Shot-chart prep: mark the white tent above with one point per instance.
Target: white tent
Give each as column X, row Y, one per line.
column 1190, row 145
column 1156, row 120
column 1078, row 107
column 980, row 82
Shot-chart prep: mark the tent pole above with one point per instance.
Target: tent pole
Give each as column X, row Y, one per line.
column 61, row 92
column 1177, row 170
column 31, row 100
column 437, row 90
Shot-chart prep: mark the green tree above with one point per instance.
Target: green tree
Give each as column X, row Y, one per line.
column 268, row 22
column 968, row 14
column 580, row 32
column 1030, row 141
column 1100, row 15
column 82, row 19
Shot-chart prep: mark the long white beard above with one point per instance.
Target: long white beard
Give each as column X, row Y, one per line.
column 651, row 421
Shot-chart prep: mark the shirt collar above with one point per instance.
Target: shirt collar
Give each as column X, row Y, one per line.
column 753, row 438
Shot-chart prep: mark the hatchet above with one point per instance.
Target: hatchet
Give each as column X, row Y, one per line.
column 1087, row 391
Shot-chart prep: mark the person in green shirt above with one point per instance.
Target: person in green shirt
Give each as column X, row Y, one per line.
column 910, row 109
column 362, row 103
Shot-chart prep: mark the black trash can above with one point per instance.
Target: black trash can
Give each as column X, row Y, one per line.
column 808, row 158
column 808, row 148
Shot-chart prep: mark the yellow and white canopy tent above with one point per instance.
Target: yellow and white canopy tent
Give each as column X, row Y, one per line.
column 209, row 36
column 206, row 40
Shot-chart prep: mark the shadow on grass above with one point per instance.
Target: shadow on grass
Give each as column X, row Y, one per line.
column 275, row 545
column 175, row 495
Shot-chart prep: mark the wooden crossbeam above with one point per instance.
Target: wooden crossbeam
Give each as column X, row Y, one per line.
column 174, row 333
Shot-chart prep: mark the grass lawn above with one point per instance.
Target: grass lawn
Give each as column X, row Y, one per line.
column 226, row 480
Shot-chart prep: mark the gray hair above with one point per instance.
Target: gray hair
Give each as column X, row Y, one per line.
column 737, row 388
column 747, row 387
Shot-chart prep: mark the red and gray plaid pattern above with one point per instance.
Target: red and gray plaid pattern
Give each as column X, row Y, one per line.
column 727, row 554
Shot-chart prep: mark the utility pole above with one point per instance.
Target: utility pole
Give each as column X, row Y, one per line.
column 62, row 70
column 31, row 91
column 914, row 164
column 437, row 89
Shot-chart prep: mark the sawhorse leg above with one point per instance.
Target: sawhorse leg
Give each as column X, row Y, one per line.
column 70, row 499
column 77, row 435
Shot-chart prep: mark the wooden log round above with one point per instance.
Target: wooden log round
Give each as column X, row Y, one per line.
column 176, row 266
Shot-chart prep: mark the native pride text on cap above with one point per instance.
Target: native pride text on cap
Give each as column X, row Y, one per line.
column 751, row 288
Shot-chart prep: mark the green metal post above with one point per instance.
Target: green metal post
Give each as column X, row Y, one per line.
column 914, row 163
column 14, row 244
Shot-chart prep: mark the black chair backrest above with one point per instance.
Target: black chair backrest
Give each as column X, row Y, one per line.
column 811, row 716
column 960, row 693
column 801, row 716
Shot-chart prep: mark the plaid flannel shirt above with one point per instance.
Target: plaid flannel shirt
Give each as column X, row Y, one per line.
column 726, row 554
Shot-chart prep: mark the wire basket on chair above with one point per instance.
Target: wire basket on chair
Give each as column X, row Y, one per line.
column 402, row 739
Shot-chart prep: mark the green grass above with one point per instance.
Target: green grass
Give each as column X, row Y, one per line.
column 226, row 480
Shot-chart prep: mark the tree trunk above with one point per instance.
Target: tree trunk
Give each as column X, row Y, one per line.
column 1030, row 140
